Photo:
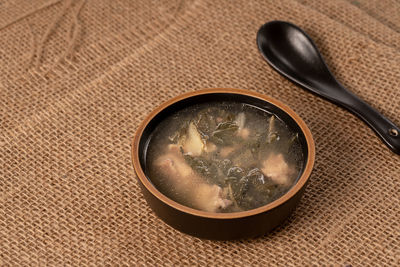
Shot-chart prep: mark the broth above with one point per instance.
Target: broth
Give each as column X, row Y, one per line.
column 223, row 157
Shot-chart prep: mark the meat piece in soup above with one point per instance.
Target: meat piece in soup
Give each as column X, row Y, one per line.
column 183, row 179
column 192, row 143
column 223, row 157
column 276, row 168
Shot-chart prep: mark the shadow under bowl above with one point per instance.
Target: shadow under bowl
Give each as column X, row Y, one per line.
column 222, row 226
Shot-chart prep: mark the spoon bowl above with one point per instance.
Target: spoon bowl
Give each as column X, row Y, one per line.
column 293, row 54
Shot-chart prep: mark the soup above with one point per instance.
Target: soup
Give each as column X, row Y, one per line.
column 223, row 157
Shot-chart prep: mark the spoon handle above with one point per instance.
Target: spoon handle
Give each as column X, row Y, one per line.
column 383, row 127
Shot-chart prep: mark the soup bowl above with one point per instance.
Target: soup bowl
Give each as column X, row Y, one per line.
column 212, row 225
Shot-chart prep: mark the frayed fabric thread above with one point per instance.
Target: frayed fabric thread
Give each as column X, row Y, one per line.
column 36, row 52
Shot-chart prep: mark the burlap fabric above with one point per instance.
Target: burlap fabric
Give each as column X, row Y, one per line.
column 77, row 77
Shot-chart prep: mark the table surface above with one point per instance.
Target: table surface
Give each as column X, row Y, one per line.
column 77, row 77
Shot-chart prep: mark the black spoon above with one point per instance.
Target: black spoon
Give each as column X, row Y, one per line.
column 291, row 52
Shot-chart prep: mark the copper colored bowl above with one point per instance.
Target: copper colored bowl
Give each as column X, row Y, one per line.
column 222, row 226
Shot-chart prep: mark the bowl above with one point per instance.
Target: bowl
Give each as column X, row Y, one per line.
column 212, row 225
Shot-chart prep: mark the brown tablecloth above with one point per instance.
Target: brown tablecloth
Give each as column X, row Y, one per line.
column 77, row 77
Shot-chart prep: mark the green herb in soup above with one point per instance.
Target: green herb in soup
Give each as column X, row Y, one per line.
column 223, row 157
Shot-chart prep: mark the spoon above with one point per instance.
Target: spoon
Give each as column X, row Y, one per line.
column 292, row 53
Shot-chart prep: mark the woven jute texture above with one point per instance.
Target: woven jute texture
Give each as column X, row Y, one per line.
column 77, row 77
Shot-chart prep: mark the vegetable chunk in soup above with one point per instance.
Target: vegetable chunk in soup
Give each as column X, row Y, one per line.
column 223, row 157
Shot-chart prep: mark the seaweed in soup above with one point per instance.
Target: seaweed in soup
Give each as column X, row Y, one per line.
column 223, row 157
